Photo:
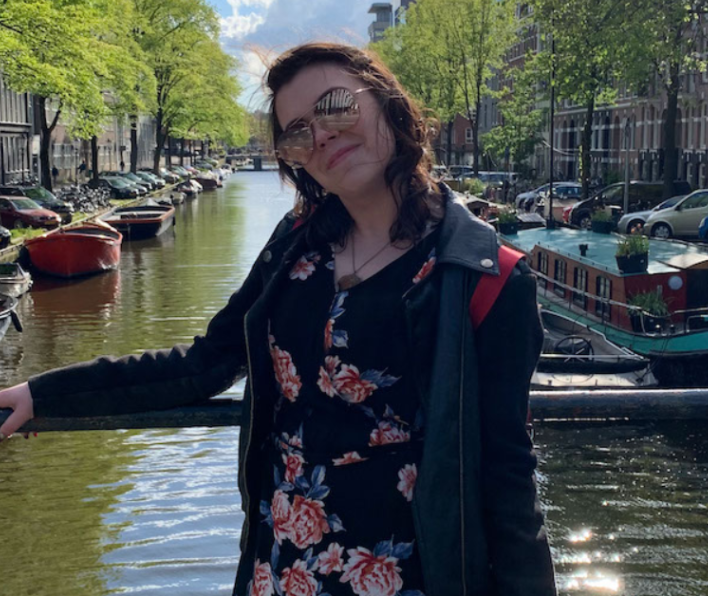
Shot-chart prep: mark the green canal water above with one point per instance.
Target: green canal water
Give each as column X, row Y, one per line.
column 157, row 512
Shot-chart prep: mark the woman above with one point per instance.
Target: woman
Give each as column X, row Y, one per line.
column 383, row 449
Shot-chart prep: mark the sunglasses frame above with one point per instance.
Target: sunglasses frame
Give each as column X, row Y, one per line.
column 308, row 125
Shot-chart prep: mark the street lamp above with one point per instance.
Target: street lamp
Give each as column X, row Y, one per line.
column 627, row 133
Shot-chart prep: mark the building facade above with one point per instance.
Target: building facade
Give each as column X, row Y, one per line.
column 383, row 12
column 16, row 135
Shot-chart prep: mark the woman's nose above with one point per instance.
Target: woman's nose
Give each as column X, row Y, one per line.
column 321, row 135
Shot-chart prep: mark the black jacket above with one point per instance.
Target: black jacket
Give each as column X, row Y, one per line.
column 478, row 522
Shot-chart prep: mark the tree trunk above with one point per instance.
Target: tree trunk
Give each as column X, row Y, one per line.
column 586, row 144
column 670, row 158
column 181, row 152
column 448, row 158
column 45, row 142
column 168, row 155
column 475, row 129
column 133, row 143
column 94, row 158
column 159, row 141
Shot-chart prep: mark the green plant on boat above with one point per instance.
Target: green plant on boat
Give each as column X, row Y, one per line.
column 633, row 244
column 505, row 217
column 652, row 303
column 474, row 186
column 600, row 216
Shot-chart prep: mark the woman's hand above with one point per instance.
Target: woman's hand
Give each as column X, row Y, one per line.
column 19, row 399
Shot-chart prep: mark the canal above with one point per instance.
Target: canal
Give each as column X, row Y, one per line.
column 157, row 512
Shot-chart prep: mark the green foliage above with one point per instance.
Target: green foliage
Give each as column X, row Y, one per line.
column 652, row 303
column 474, row 186
column 633, row 244
column 600, row 216
column 522, row 125
column 507, row 217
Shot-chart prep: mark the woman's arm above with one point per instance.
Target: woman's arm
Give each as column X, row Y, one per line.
column 509, row 343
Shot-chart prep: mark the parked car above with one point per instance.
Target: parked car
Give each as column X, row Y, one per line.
column 642, row 196
column 180, row 171
column 683, row 219
column 703, row 229
column 5, row 237
column 119, row 188
column 43, row 198
column 148, row 184
column 149, row 177
column 565, row 196
column 169, row 176
column 530, row 195
column 142, row 186
column 632, row 220
column 23, row 212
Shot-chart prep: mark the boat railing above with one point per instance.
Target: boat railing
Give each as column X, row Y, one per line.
column 694, row 319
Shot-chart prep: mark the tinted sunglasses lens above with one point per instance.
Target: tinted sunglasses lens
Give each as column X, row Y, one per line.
column 295, row 145
column 337, row 111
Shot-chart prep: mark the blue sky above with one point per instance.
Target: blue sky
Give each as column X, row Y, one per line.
column 250, row 28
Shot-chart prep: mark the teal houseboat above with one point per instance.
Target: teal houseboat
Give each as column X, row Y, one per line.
column 579, row 277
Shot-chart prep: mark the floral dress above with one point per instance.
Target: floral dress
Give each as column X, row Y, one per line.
column 336, row 516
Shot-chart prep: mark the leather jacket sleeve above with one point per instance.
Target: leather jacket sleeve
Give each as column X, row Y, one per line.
column 157, row 379
column 509, row 343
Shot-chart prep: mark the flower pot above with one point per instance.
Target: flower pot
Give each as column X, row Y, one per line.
column 602, row 227
column 648, row 325
column 508, row 228
column 633, row 263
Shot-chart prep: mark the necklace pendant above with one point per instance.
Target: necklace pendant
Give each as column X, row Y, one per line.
column 348, row 281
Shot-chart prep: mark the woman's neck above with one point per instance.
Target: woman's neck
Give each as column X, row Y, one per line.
column 373, row 213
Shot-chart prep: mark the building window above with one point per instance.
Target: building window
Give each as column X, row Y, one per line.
column 543, row 263
column 580, row 282
column 559, row 271
column 603, row 290
column 468, row 135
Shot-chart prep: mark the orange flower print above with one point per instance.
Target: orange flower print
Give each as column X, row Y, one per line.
column 426, row 268
column 305, row 266
column 262, row 583
column 308, row 522
column 388, row 433
column 407, row 476
column 330, row 560
column 350, row 385
column 348, row 458
column 370, row 574
column 285, row 371
column 298, row 580
column 293, row 465
column 281, row 512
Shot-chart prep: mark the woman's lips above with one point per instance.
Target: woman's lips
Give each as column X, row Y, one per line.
column 339, row 156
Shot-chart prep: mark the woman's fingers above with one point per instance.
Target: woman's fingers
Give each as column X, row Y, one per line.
column 19, row 399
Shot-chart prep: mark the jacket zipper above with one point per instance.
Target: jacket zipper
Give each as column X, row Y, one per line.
column 462, row 467
column 250, row 425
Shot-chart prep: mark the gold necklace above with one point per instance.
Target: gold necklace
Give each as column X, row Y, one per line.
column 352, row 279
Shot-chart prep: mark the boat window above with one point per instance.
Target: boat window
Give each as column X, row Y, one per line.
column 580, row 282
column 559, row 271
column 543, row 262
column 603, row 289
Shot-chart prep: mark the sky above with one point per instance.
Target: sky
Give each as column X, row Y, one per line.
column 253, row 30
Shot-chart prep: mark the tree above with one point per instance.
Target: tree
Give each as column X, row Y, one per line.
column 522, row 122
column 668, row 44
column 592, row 50
column 49, row 48
column 171, row 35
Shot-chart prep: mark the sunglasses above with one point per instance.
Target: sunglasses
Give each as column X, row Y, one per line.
column 336, row 111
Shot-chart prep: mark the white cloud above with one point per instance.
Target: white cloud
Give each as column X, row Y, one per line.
column 239, row 26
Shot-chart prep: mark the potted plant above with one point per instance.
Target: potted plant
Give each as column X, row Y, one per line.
column 633, row 253
column 601, row 222
column 507, row 222
column 652, row 311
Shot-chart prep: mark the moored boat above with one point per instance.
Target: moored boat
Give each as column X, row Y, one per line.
column 8, row 304
column 579, row 277
column 14, row 280
column 80, row 250
column 142, row 221
column 575, row 356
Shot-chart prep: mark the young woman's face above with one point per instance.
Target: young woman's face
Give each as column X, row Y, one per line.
column 344, row 162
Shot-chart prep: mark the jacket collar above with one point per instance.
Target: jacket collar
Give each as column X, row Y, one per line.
column 465, row 239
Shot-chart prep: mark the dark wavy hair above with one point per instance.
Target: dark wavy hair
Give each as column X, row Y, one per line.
column 408, row 174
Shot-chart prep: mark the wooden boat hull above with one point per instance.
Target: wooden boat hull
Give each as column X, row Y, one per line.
column 207, row 183
column 73, row 252
column 138, row 223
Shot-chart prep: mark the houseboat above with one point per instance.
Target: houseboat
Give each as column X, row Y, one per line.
column 579, row 277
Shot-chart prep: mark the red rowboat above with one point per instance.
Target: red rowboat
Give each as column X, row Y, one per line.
column 81, row 250
column 141, row 221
